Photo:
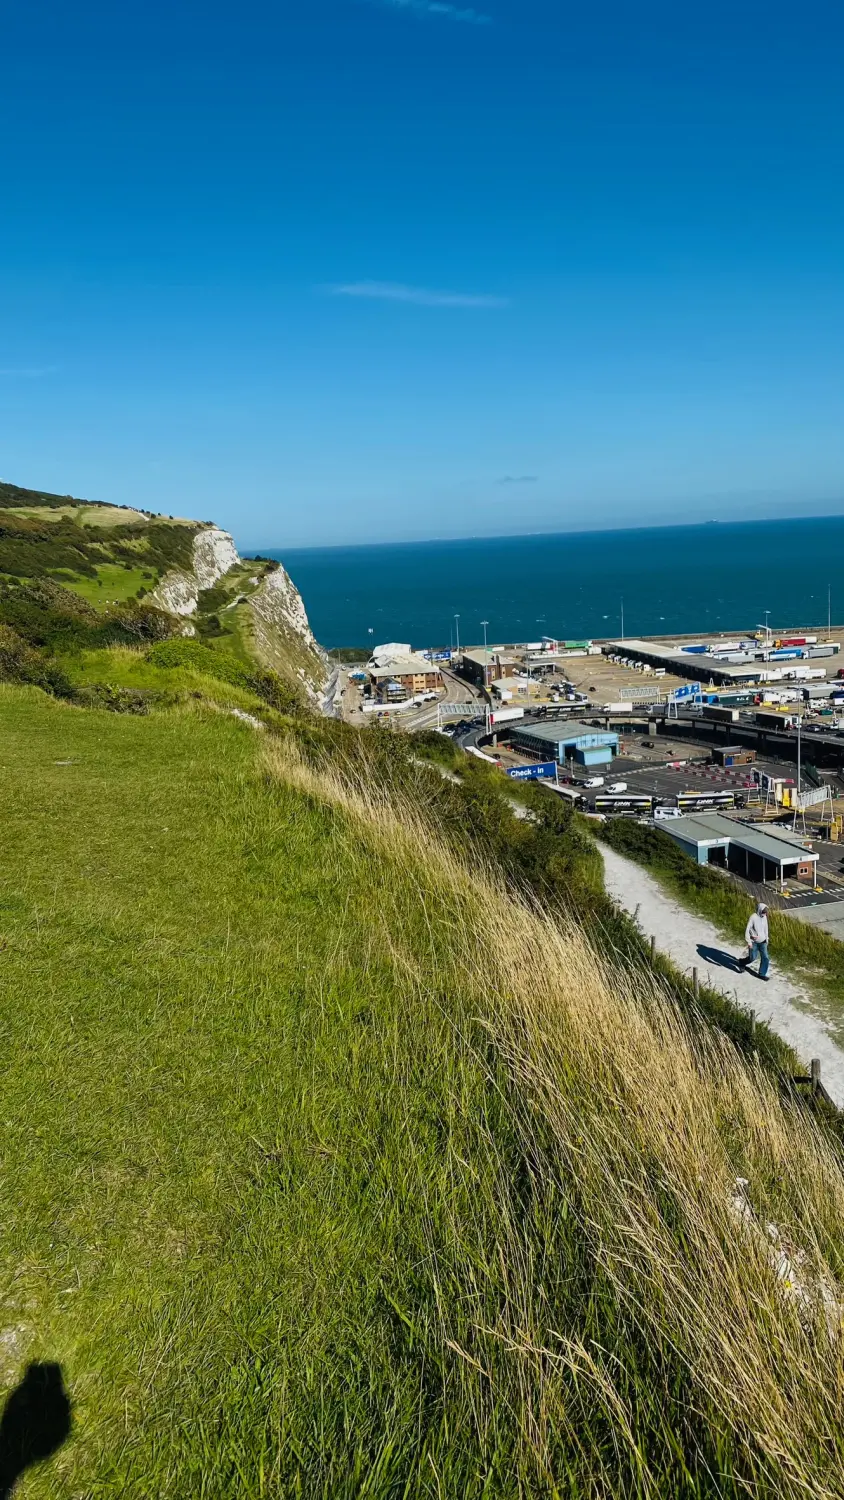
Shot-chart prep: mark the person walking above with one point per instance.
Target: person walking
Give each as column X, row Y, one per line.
column 756, row 937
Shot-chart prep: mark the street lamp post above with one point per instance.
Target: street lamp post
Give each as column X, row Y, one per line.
column 799, row 725
column 486, row 654
column 767, row 629
column 457, row 628
column 622, row 617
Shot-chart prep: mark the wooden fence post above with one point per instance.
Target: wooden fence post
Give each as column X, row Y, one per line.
column 636, row 912
column 696, row 983
column 653, row 948
column 815, row 1073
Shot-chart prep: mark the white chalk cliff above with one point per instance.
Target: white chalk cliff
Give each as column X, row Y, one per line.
column 214, row 553
column 281, row 634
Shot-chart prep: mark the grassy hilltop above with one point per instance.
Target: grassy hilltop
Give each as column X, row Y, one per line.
column 352, row 1146
column 107, row 554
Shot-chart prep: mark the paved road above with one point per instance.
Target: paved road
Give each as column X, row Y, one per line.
column 692, row 942
column 457, row 690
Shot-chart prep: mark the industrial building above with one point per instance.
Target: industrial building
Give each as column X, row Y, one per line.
column 572, row 741
column 403, row 677
column 709, row 665
column 759, row 854
column 485, row 667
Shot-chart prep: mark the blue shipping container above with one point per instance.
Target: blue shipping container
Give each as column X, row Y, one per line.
column 532, row 773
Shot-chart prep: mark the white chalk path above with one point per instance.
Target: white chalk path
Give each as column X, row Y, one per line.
column 788, row 1008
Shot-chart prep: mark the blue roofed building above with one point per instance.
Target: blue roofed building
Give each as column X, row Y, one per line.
column 567, row 741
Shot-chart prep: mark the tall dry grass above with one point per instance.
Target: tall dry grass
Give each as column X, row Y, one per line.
column 700, row 1215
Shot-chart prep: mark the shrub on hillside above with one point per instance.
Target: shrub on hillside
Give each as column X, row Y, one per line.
column 31, row 548
column 13, row 494
column 209, row 627
column 49, row 616
column 122, row 700
column 159, row 545
column 212, row 599
column 137, row 621
column 22, row 663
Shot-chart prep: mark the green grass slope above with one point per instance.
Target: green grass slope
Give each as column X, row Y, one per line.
column 331, row 1169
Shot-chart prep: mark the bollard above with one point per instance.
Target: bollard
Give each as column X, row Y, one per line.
column 815, row 1073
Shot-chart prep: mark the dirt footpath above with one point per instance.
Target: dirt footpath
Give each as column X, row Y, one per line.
column 693, row 942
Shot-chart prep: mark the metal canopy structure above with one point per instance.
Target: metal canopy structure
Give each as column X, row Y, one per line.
column 756, row 853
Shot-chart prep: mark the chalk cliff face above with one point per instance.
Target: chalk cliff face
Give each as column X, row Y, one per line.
column 214, row 553
column 277, row 623
column 282, row 635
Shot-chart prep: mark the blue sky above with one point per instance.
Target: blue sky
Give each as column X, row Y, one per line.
column 386, row 269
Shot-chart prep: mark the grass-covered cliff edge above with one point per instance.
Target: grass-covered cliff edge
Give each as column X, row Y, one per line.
column 77, row 577
column 334, row 1164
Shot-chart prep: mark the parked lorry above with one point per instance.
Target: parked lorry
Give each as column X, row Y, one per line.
column 504, row 715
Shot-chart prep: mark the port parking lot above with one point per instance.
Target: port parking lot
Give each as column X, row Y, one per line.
column 604, row 680
column 686, row 776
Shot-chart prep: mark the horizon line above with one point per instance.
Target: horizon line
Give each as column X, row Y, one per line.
column 515, row 536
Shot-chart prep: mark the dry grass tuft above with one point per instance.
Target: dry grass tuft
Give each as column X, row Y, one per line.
column 634, row 1128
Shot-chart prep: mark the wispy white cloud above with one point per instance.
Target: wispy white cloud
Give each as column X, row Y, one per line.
column 397, row 291
column 27, row 372
column 465, row 13
column 519, row 479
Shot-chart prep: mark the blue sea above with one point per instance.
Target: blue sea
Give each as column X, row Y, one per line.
column 677, row 579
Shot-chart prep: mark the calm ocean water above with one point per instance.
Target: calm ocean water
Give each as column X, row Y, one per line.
column 679, row 579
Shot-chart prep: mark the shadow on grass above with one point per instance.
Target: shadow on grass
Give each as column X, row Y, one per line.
column 36, row 1421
